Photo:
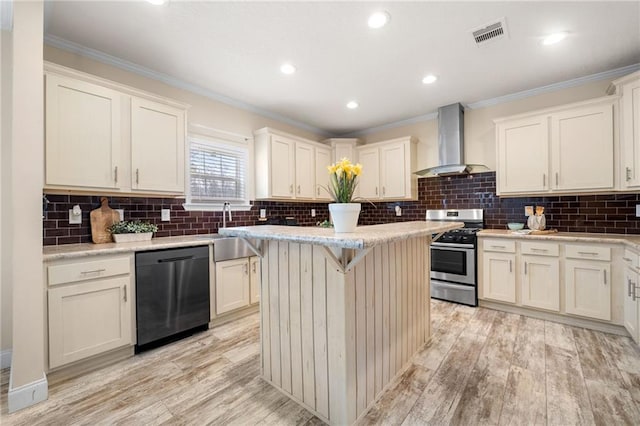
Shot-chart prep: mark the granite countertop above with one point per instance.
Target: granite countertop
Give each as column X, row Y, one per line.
column 68, row 251
column 363, row 237
column 632, row 241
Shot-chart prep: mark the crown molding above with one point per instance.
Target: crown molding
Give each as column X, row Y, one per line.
column 105, row 58
column 6, row 15
column 611, row 74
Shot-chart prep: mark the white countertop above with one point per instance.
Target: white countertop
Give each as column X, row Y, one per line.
column 363, row 237
column 632, row 241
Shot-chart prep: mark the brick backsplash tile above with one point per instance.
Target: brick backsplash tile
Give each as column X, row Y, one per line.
column 613, row 213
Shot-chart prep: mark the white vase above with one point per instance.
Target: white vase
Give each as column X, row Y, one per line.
column 129, row 238
column 344, row 216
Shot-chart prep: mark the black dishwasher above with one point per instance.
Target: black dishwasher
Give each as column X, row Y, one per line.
column 172, row 294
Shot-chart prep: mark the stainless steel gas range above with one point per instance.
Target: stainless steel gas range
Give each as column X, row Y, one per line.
column 454, row 256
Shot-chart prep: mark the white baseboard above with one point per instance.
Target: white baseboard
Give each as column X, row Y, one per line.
column 5, row 358
column 27, row 395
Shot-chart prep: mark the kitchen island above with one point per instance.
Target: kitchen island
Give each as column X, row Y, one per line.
column 341, row 314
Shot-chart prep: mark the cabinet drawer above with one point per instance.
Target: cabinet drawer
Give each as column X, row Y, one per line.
column 80, row 271
column 587, row 252
column 504, row 246
column 630, row 258
column 540, row 249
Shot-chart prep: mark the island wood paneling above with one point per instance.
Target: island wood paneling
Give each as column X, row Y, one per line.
column 334, row 341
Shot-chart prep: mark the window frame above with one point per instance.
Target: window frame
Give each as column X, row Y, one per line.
column 221, row 138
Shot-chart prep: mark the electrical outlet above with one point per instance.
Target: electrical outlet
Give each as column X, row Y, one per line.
column 75, row 219
column 263, row 213
column 637, row 210
column 313, row 212
column 121, row 213
column 165, row 215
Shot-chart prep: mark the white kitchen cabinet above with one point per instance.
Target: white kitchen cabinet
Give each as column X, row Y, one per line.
column 323, row 159
column 287, row 167
column 83, row 134
column 157, row 146
column 255, row 277
column 540, row 282
column 498, row 276
column 387, row 170
column 103, row 135
column 588, row 288
column 523, row 157
column 564, row 149
column 305, row 167
column 632, row 295
column 232, row 285
column 89, row 308
column 629, row 89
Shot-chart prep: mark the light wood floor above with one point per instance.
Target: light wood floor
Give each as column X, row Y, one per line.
column 480, row 367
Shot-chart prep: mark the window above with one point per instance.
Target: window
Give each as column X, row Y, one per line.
column 217, row 173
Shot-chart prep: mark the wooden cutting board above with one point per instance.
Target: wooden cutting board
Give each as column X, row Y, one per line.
column 546, row 231
column 101, row 219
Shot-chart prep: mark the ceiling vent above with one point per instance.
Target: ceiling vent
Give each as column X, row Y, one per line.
column 490, row 32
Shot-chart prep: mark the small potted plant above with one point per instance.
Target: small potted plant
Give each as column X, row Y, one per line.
column 128, row 231
column 343, row 179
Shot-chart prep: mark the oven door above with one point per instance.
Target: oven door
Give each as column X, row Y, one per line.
column 453, row 262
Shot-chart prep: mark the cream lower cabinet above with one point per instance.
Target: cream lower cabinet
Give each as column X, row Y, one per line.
column 632, row 295
column 540, row 276
column 588, row 281
column 89, row 308
column 499, row 275
column 232, row 285
column 255, row 279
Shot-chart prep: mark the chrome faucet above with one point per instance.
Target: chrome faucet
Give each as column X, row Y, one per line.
column 226, row 207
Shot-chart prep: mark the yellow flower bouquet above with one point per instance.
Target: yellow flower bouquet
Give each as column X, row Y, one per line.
column 343, row 180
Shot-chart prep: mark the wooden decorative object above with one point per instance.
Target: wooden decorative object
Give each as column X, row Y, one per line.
column 101, row 219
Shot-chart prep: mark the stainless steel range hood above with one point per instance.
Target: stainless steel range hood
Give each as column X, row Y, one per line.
column 451, row 144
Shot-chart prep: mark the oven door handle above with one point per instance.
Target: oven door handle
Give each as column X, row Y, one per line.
column 453, row 245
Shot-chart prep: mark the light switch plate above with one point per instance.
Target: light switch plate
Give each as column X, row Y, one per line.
column 637, row 210
column 74, row 219
column 121, row 213
column 263, row 213
column 165, row 215
column 313, row 212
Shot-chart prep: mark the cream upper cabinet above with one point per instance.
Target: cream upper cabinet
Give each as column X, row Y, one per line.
column 566, row 149
column 582, row 148
column 387, row 170
column 305, row 170
column 369, row 180
column 83, row 134
column 323, row 159
column 103, row 135
column 157, row 146
column 523, row 155
column 629, row 89
column 289, row 167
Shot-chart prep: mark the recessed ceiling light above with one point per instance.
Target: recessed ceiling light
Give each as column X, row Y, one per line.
column 352, row 105
column 157, row 2
column 379, row 19
column 287, row 69
column 429, row 79
column 554, row 38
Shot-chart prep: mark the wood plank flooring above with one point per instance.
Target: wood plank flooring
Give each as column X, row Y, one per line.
column 480, row 367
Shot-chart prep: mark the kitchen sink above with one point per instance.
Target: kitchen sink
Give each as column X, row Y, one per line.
column 227, row 248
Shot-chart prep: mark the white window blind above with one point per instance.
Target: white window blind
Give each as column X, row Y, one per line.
column 217, row 172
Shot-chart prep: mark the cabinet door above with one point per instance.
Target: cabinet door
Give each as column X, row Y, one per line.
column 369, row 180
column 305, row 171
column 588, row 289
column 83, row 134
column 540, row 282
column 255, row 279
column 630, row 133
column 631, row 302
column 232, row 285
column 323, row 159
column 282, row 164
column 498, row 277
column 393, row 172
column 582, row 148
column 523, row 155
column 157, row 147
column 87, row 319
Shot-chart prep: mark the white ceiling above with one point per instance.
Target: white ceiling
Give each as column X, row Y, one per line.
column 235, row 49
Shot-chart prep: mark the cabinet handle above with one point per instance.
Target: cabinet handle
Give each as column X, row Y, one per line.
column 589, row 253
column 510, row 270
column 376, row 190
column 298, row 189
column 544, row 180
column 245, row 269
column 125, row 292
column 384, row 190
column 628, row 174
column 291, row 189
column 634, row 293
column 115, row 174
column 605, row 277
column 498, row 247
column 525, row 268
column 137, row 176
column 318, row 190
column 556, row 179
column 539, row 250
column 253, row 267
column 626, row 259
column 95, row 271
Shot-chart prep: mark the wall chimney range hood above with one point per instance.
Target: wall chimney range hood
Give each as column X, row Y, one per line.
column 451, row 144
